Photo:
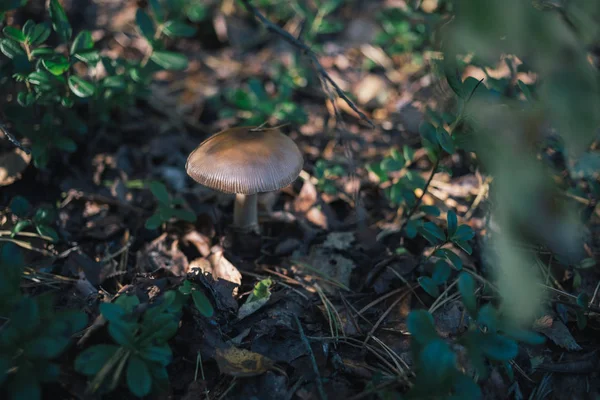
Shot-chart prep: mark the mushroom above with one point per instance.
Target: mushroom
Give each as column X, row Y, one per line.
column 246, row 161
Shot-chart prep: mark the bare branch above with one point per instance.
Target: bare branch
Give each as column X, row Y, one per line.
column 309, row 53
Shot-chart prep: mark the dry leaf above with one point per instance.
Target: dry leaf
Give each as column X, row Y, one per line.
column 12, row 164
column 241, row 363
column 557, row 332
column 222, row 268
column 339, row 240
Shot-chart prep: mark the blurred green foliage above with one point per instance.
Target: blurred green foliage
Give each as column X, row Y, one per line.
column 33, row 332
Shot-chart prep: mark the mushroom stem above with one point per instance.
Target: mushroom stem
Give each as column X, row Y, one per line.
column 245, row 212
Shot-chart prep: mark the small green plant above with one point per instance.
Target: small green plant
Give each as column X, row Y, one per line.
column 167, row 207
column 400, row 33
column 32, row 332
column 41, row 219
column 140, row 349
column 327, row 174
column 202, row 303
column 254, row 105
column 457, row 235
column 489, row 341
column 52, row 91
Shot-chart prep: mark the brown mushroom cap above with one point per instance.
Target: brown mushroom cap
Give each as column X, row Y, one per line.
column 245, row 161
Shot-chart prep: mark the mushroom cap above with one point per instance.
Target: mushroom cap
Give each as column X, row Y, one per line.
column 246, row 160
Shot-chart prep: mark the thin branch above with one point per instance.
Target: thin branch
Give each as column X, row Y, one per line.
column 10, row 137
column 309, row 52
column 420, row 199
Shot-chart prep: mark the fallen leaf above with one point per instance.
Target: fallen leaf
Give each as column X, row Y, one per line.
column 222, row 268
column 251, row 307
column 241, row 363
column 556, row 331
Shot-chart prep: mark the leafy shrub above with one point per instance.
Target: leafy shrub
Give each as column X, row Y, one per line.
column 33, row 333
column 51, row 91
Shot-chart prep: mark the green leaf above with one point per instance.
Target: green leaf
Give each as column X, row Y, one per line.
column 160, row 354
column 197, row 12
column 80, row 87
column 428, row 133
column 375, row 168
column 465, row 246
column 20, row 206
column 430, row 210
column 145, row 23
column 438, row 361
column 13, row 33
column 450, row 256
column 184, row 215
column 429, row 286
column 28, row 28
column 157, row 10
column 11, row 49
column 434, row 230
column 452, row 75
column 170, row 60
column 127, row 302
column 525, row 89
column 20, row 226
column 57, row 65
column 452, row 222
column 65, row 143
column 91, row 56
column 114, row 82
column 45, row 230
column 83, row 41
column 411, row 229
column 178, row 29
column 153, row 222
column 445, row 140
column 202, row 303
column 441, row 272
column 497, row 347
column 91, row 360
column 421, row 326
column 487, row 317
column 47, row 371
column 44, row 215
column 466, row 287
column 39, row 34
column 466, row 388
column 159, row 190
column 139, row 379
column 43, row 52
column 41, row 78
column 24, row 386
column 123, row 333
column 112, row 312
column 463, row 233
column 408, row 153
column 46, row 347
column 583, row 301
column 524, row 336
column 389, row 164
column 25, row 99
column 26, row 315
column 60, row 22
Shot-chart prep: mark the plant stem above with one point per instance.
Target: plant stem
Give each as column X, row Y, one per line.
column 245, row 216
column 420, row 199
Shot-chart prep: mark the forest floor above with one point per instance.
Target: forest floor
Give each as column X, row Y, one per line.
column 343, row 276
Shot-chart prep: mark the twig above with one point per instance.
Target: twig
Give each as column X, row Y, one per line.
column 420, row 199
column 309, row 52
column 304, row 339
column 10, row 137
